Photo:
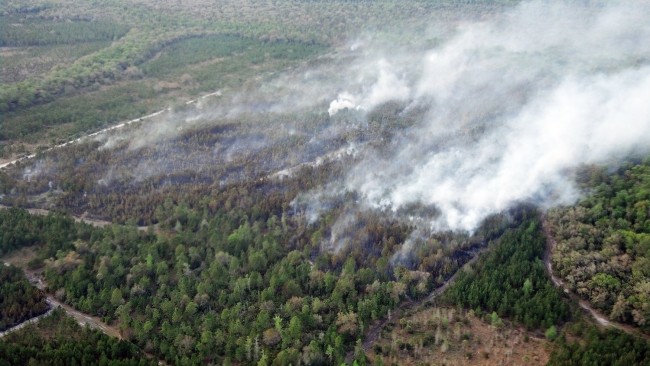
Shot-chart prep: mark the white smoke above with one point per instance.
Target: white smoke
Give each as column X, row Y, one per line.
column 513, row 100
column 515, row 103
column 345, row 100
column 387, row 86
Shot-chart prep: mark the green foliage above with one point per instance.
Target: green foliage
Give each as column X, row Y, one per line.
column 528, row 287
column 86, row 112
column 511, row 282
column 495, row 320
column 196, row 298
column 551, row 333
column 601, row 347
column 60, row 106
column 603, row 244
column 19, row 300
column 38, row 61
column 59, row 340
column 20, row 229
column 194, row 50
column 173, row 40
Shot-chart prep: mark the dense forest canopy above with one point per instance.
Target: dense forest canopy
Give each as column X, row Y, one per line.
column 19, row 300
column 603, row 243
column 511, row 281
column 59, row 340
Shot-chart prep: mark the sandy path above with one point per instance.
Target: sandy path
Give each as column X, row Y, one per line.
column 600, row 319
column 82, row 318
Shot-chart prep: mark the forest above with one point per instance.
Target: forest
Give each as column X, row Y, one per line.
column 92, row 54
column 603, row 243
column 19, row 300
column 600, row 347
column 59, row 340
column 314, row 182
column 512, row 282
column 227, row 278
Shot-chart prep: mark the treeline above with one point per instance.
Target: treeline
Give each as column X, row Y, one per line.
column 235, row 277
column 20, row 32
column 59, row 340
column 100, row 68
column 511, row 280
column 600, row 348
column 33, row 105
column 19, row 300
column 603, row 244
column 20, row 229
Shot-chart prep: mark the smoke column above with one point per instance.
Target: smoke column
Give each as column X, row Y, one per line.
column 513, row 104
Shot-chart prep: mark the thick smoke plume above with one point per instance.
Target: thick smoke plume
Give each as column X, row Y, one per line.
column 502, row 104
column 515, row 103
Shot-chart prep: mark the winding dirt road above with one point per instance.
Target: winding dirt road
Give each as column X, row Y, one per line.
column 35, row 279
column 600, row 319
column 83, row 319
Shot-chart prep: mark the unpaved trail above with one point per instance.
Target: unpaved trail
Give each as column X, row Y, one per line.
column 35, row 279
column 83, row 319
column 600, row 319
column 27, row 322
column 117, row 126
column 79, row 218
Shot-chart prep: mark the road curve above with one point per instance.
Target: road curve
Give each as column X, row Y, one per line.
column 81, row 318
column 600, row 319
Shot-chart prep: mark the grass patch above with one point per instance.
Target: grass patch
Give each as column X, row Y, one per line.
column 21, row 63
column 194, row 50
column 212, row 63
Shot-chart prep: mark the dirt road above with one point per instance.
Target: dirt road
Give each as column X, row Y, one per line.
column 27, row 322
column 80, row 218
column 5, row 163
column 600, row 319
column 83, row 319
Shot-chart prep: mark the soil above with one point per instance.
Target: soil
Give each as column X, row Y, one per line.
column 447, row 336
